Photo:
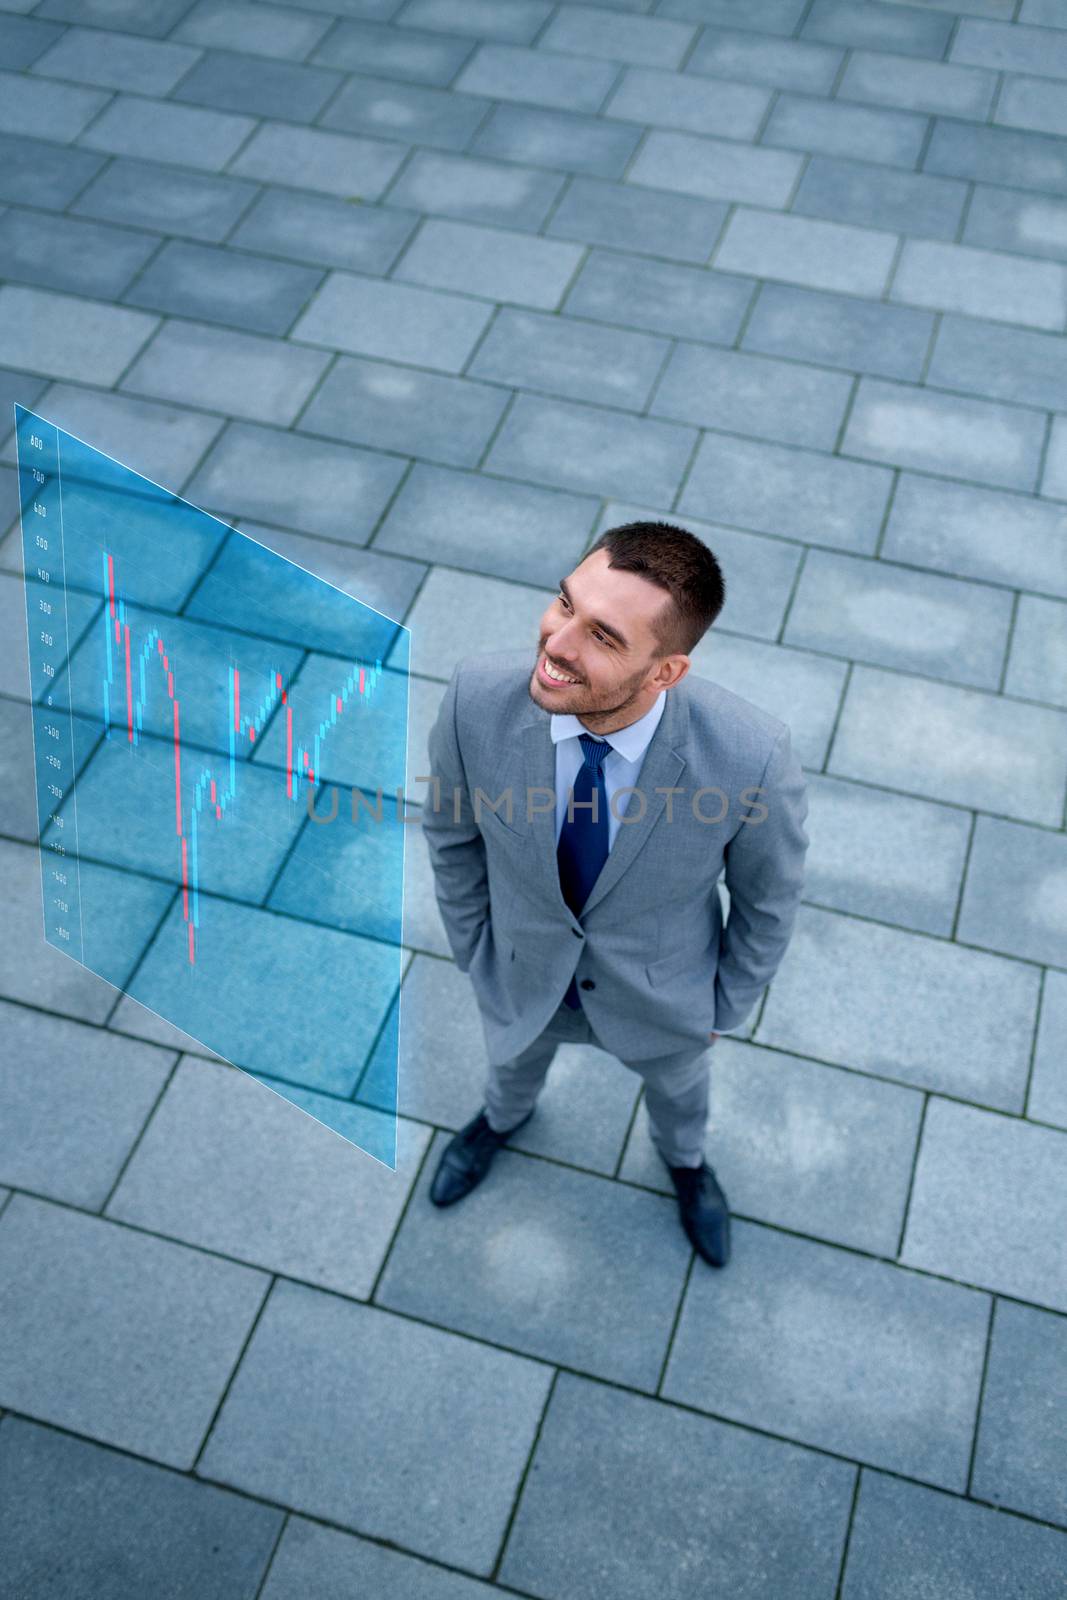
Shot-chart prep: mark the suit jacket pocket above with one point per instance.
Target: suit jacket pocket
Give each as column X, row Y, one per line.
column 676, row 965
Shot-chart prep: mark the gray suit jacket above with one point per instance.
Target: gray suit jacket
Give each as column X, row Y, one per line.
column 663, row 970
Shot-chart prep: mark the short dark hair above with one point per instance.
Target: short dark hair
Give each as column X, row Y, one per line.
column 676, row 560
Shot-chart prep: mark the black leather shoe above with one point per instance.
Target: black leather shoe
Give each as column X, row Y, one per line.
column 466, row 1159
column 704, row 1212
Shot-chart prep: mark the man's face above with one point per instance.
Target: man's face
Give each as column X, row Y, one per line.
column 598, row 633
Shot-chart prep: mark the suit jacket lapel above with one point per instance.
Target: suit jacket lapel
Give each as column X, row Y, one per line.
column 662, row 768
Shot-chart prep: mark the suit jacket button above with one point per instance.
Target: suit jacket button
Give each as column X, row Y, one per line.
column 587, row 983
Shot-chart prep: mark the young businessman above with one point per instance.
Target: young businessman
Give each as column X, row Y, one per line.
column 582, row 809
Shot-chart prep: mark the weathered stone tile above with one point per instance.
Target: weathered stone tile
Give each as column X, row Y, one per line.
column 1012, row 49
column 1032, row 103
column 326, row 1385
column 1015, row 899
column 961, row 530
column 53, row 252
column 383, row 582
column 960, row 1550
column 1024, row 1412
column 1054, row 478
column 1003, row 363
column 232, row 82
column 322, row 230
column 514, row 20
column 263, row 472
column 1048, row 1087
column 772, row 489
column 40, row 174
column 644, row 41
column 918, row 85
column 240, row 290
column 953, row 744
column 40, row 109
column 148, row 195
column 312, row 1559
column 964, row 1028
column 505, row 529
column 18, row 798
column 1037, row 667
column 38, row 975
column 595, row 1285
column 613, row 1477
column 839, row 331
column 835, row 128
column 761, row 16
column 642, row 221
column 753, row 395
column 313, row 158
column 122, row 1525
column 982, row 283
column 674, row 100
column 1000, row 219
column 887, row 615
column 821, row 255
column 846, row 1353
column 151, row 17
column 808, row 1147
column 803, row 690
column 455, row 607
column 660, row 296
column 66, row 336
column 884, row 855
column 966, row 1155
column 162, row 442
column 24, row 39
column 481, row 191
column 976, row 439
column 592, row 450
column 389, row 52
column 277, row 31
column 231, row 1167
column 393, row 321
column 115, row 1334
column 401, row 409
column 880, row 197
column 716, row 169
column 998, row 155
column 154, row 129
column 489, row 261
column 759, row 572
column 409, row 112
column 574, row 359
column 114, row 60
column 242, row 374
column 560, row 139
column 907, row 31
column 506, row 72
column 72, row 1102
column 784, row 64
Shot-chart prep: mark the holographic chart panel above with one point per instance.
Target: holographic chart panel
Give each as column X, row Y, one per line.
column 220, row 747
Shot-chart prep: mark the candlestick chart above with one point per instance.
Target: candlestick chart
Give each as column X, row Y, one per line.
column 220, row 744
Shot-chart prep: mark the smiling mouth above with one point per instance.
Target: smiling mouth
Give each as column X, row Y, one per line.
column 546, row 670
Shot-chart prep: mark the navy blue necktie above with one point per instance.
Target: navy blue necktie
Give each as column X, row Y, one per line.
column 583, row 843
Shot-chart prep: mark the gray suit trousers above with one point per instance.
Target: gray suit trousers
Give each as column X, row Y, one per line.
column 676, row 1087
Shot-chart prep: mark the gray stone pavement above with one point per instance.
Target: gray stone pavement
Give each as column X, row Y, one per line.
column 492, row 274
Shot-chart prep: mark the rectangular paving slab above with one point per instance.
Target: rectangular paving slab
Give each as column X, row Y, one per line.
column 343, row 1411
column 142, row 1366
column 837, row 1350
column 630, row 1498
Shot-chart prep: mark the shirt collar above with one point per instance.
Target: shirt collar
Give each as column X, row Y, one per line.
column 631, row 742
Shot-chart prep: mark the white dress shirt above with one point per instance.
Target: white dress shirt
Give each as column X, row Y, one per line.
column 620, row 766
